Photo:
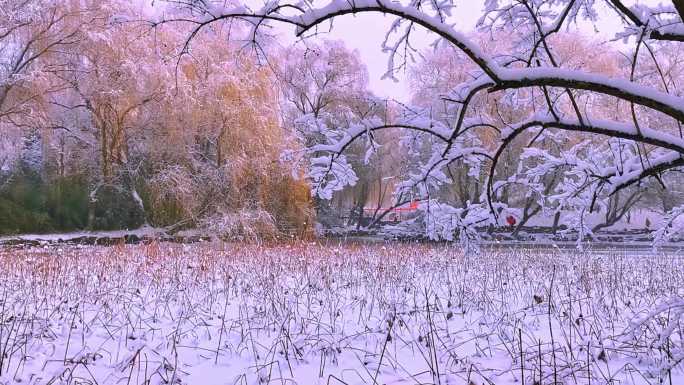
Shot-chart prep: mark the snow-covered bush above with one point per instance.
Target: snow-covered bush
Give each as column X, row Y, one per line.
column 243, row 225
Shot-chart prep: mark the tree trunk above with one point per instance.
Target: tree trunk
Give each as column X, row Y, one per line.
column 556, row 219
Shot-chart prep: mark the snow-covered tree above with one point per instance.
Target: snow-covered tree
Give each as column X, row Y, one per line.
column 527, row 74
column 325, row 90
column 31, row 32
column 216, row 158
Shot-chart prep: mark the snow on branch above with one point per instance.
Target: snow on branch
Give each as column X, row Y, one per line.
column 630, row 169
column 623, row 89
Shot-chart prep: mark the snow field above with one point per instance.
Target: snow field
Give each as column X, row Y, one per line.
column 308, row 314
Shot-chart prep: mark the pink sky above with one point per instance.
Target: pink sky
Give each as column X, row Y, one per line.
column 367, row 31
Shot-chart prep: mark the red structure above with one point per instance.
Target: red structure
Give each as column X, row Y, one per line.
column 511, row 220
column 395, row 213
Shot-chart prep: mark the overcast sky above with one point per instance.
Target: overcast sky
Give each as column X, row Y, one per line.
column 366, row 32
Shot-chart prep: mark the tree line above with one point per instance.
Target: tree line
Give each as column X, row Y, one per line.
column 191, row 115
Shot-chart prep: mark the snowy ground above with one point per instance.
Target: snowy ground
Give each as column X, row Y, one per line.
column 75, row 236
column 354, row 314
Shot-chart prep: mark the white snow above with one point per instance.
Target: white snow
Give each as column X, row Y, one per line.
column 145, row 231
column 309, row 314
